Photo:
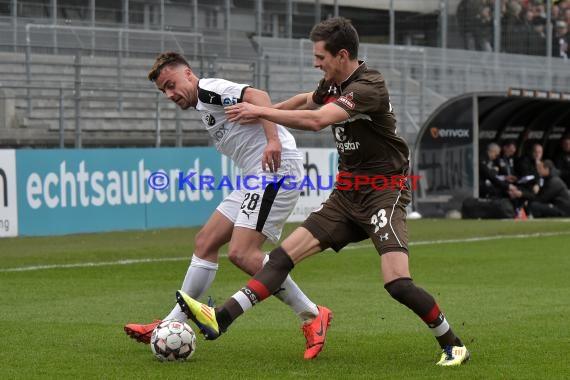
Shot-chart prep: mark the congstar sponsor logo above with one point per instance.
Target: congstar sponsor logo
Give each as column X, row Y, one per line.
column 449, row 133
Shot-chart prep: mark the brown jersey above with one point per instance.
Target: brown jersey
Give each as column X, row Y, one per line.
column 367, row 143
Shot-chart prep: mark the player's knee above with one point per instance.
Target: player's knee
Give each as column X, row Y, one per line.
column 204, row 244
column 237, row 257
column 245, row 259
column 400, row 288
column 201, row 241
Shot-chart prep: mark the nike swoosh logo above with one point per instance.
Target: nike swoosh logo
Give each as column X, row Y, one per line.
column 320, row 332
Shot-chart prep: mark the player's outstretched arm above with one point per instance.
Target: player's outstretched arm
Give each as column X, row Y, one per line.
column 308, row 120
column 298, row 102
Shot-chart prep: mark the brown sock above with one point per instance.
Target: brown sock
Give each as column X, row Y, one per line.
column 423, row 304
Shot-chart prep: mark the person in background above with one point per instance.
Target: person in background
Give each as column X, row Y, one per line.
column 562, row 159
column 491, row 185
column 526, row 165
column 561, row 40
column 553, row 198
column 506, row 162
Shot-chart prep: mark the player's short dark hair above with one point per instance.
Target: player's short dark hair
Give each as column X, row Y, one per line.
column 338, row 33
column 166, row 59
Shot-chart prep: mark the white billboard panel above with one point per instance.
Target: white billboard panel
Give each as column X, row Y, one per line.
column 8, row 195
column 320, row 170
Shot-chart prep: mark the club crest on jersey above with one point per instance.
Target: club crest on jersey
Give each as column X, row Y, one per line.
column 209, row 119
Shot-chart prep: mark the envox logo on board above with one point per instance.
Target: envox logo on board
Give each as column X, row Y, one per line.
column 449, row 133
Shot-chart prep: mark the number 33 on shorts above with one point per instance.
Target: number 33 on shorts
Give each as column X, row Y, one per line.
column 379, row 220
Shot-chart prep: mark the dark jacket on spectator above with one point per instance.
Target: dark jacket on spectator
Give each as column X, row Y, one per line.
column 491, row 185
column 553, row 199
column 562, row 162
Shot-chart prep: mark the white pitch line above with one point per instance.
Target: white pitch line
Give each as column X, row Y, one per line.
column 473, row 239
column 97, row 264
column 485, row 238
column 356, row 246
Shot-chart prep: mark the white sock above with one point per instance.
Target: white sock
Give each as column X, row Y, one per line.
column 198, row 279
column 292, row 295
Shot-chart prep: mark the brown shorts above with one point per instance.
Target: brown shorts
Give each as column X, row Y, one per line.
column 352, row 216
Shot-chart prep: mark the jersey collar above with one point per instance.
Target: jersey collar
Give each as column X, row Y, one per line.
column 360, row 69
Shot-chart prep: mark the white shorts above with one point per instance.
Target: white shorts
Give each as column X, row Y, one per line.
column 264, row 209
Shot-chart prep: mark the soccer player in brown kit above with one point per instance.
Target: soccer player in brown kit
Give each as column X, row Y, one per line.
column 354, row 100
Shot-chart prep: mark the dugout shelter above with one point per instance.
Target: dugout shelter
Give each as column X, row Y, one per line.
column 449, row 144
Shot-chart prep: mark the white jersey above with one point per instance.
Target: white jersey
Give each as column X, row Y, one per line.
column 243, row 144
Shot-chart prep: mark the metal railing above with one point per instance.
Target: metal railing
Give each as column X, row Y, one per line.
column 66, row 109
column 469, row 24
column 118, row 40
column 419, row 78
column 119, row 43
column 76, row 70
column 117, row 73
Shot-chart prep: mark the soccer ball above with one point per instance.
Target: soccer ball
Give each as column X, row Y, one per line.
column 173, row 340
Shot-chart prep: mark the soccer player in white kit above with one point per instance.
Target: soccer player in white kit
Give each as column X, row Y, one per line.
column 249, row 214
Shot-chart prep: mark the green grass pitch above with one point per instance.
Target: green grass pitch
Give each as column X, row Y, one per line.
column 503, row 286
